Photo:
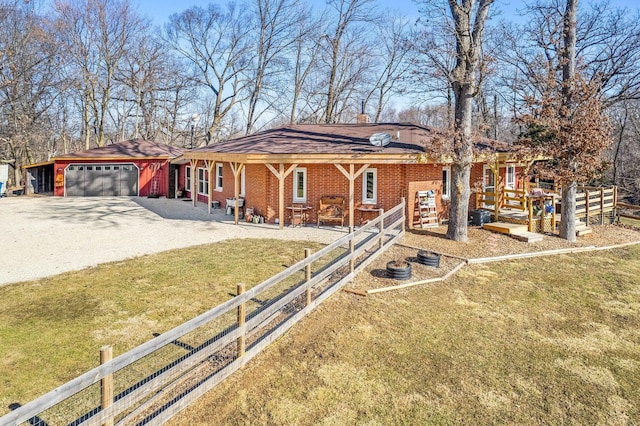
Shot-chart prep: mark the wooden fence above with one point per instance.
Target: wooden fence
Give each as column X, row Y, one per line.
column 595, row 203
column 623, row 208
column 152, row 382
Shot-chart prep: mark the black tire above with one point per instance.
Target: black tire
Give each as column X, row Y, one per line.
column 429, row 259
column 400, row 271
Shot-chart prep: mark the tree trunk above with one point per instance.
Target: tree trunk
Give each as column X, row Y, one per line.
column 459, row 210
column 623, row 125
column 568, row 223
column 468, row 31
column 329, row 112
column 461, row 170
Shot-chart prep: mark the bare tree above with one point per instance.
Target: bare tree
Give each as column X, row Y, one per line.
column 392, row 54
column 305, row 53
column 433, row 59
column 96, row 35
column 607, row 44
column 28, row 78
column 347, row 53
column 466, row 20
column 154, row 89
column 280, row 24
column 215, row 42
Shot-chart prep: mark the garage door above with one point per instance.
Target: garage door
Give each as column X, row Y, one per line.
column 94, row 180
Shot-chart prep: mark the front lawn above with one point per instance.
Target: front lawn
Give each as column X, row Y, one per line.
column 51, row 330
column 550, row 340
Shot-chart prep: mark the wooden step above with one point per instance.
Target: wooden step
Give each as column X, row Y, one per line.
column 527, row 237
column 505, row 228
column 583, row 230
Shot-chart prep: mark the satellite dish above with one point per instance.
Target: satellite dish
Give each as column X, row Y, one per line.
column 380, row 139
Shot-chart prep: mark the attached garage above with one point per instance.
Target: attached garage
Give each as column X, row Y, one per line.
column 101, row 179
column 130, row 168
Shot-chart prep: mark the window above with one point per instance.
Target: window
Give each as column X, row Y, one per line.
column 370, row 186
column 511, row 178
column 203, row 182
column 219, row 176
column 300, row 185
column 446, row 182
column 187, row 178
column 489, row 187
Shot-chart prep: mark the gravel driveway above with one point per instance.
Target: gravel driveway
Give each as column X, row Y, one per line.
column 43, row 236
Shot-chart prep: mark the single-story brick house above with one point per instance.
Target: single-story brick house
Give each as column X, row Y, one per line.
column 298, row 164
column 134, row 167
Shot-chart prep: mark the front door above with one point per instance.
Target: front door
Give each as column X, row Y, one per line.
column 489, row 187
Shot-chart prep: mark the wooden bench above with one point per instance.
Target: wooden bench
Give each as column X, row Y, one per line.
column 331, row 209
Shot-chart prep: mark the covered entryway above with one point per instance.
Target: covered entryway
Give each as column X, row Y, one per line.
column 97, row 180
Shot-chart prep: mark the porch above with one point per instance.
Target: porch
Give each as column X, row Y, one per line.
column 540, row 211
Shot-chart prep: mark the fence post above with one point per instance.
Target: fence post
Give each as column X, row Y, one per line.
column 530, row 216
column 553, row 213
column 587, row 201
column 381, row 232
column 241, row 320
column 106, row 383
column 601, row 206
column 614, row 214
column 352, row 248
column 307, row 276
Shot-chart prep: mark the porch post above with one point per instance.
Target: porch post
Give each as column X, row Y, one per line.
column 351, row 175
column 351, row 204
column 237, row 171
column 194, row 175
column 209, row 164
column 281, row 174
column 497, row 191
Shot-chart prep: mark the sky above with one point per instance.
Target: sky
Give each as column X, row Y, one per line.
column 160, row 10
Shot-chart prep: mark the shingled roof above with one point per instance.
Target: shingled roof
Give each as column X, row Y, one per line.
column 127, row 150
column 406, row 138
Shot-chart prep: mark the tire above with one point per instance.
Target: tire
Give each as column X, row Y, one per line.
column 400, row 271
column 429, row 259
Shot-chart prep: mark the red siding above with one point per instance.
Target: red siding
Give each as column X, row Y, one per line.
column 147, row 169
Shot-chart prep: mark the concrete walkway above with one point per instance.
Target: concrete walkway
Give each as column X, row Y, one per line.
column 43, row 236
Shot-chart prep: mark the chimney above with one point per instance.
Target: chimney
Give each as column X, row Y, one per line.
column 362, row 117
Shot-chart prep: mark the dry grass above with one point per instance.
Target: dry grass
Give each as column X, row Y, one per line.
column 535, row 341
column 56, row 326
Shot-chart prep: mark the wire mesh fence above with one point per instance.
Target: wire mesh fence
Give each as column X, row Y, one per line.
column 153, row 382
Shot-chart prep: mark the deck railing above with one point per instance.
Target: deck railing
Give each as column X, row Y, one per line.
column 591, row 203
column 514, row 199
column 594, row 202
column 152, row 382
